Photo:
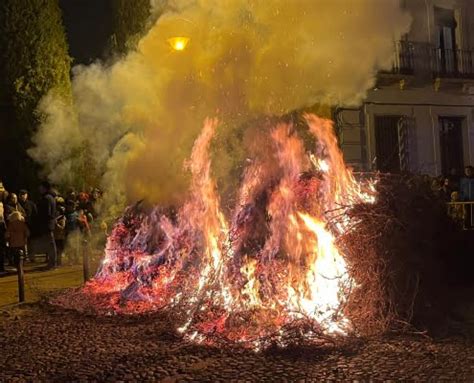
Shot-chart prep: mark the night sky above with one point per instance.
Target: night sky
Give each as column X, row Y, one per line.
column 89, row 26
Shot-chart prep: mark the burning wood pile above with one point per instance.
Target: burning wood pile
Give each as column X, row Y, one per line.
column 296, row 259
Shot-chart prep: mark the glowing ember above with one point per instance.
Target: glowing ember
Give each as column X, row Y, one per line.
column 271, row 267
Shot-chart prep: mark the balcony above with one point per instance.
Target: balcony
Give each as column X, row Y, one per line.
column 453, row 63
column 421, row 59
column 404, row 59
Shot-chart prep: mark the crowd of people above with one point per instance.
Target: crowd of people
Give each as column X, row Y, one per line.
column 458, row 192
column 454, row 187
column 29, row 228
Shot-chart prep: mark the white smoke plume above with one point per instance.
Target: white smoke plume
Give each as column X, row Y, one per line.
column 245, row 58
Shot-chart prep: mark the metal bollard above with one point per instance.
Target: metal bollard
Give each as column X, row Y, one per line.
column 21, row 278
column 85, row 261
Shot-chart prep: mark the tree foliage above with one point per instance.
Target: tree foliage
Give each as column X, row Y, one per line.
column 33, row 61
column 130, row 23
column 84, row 172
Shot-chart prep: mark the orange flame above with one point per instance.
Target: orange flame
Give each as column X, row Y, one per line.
column 205, row 263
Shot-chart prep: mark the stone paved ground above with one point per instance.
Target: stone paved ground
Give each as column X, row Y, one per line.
column 38, row 282
column 38, row 343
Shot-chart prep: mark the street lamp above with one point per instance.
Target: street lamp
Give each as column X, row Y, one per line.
column 178, row 43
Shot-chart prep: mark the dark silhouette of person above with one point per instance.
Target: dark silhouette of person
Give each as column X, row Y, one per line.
column 46, row 223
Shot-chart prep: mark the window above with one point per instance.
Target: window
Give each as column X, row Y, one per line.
column 451, row 145
column 446, row 53
column 386, row 143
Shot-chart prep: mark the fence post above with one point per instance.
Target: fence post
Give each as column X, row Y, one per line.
column 85, row 260
column 21, row 278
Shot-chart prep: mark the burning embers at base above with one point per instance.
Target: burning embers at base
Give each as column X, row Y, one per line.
column 269, row 271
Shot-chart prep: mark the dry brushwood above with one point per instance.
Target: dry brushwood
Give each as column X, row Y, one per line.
column 393, row 249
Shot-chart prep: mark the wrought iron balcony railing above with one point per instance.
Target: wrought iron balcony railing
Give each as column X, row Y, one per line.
column 404, row 58
column 411, row 57
column 453, row 63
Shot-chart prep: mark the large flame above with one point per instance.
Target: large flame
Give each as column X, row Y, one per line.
column 245, row 278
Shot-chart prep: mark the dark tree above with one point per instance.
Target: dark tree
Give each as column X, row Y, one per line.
column 33, row 61
column 131, row 21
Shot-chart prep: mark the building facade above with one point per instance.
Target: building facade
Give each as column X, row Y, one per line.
column 420, row 115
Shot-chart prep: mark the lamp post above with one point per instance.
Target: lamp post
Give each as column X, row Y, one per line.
column 178, row 43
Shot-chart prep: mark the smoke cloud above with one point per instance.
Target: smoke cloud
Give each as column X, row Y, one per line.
column 139, row 115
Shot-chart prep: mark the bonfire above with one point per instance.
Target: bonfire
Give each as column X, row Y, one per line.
column 258, row 275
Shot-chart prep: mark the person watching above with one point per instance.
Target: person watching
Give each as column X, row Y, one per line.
column 47, row 224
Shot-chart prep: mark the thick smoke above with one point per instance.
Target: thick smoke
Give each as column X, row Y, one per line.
column 140, row 115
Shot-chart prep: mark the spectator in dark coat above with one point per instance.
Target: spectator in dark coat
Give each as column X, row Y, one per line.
column 46, row 224
column 31, row 212
column 72, row 217
column 28, row 206
column 71, row 196
column 60, row 233
column 467, row 195
column 454, row 179
column 467, row 184
column 447, row 189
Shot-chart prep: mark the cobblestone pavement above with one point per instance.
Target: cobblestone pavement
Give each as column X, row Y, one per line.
column 45, row 344
column 38, row 282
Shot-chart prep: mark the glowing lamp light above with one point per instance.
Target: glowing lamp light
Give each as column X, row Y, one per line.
column 178, row 43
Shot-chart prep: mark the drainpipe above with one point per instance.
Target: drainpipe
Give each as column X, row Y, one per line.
column 428, row 18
